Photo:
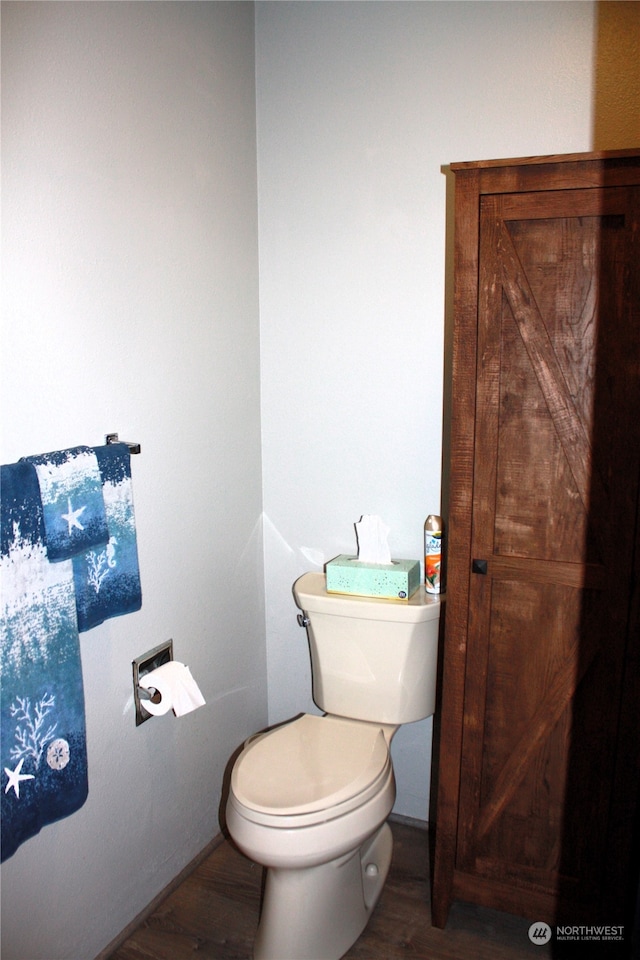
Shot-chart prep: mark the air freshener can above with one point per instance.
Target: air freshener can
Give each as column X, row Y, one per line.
column 432, row 553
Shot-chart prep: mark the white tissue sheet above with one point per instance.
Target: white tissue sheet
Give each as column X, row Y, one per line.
column 177, row 688
column 373, row 546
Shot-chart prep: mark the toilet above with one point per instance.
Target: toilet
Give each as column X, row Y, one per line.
column 309, row 799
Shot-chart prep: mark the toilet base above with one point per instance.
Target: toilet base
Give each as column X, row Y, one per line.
column 317, row 913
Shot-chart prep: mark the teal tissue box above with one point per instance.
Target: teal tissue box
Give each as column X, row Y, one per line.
column 392, row 581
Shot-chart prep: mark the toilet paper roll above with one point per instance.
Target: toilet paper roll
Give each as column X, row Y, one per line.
column 177, row 688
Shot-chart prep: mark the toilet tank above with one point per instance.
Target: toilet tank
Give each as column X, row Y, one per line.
column 371, row 659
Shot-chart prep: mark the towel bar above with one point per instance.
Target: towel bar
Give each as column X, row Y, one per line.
column 113, row 438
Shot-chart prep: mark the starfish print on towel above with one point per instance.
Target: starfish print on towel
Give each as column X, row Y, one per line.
column 15, row 777
column 72, row 516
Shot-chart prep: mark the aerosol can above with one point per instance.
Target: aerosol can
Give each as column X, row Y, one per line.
column 432, row 553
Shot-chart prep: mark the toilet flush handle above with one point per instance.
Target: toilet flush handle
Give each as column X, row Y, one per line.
column 303, row 621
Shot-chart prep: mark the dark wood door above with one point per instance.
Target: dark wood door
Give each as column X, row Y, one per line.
column 547, row 765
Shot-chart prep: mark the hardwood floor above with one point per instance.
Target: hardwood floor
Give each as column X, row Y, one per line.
column 214, row 912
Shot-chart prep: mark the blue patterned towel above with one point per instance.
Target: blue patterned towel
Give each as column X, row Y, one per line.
column 43, row 740
column 71, row 494
column 107, row 578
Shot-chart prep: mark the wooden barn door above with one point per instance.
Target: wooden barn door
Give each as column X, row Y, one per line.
column 555, row 490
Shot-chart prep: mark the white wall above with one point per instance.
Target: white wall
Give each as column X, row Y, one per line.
column 130, row 304
column 359, row 107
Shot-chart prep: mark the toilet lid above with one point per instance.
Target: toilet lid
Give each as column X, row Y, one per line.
column 309, row 764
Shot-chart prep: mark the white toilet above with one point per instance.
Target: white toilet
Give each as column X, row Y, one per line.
column 309, row 799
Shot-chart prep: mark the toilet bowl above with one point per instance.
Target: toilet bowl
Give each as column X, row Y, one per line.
column 309, row 800
column 310, row 790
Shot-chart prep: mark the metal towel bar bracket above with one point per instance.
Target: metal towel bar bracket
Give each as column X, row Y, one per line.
column 113, row 438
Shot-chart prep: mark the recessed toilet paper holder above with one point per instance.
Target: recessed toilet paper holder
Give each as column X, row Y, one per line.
column 149, row 661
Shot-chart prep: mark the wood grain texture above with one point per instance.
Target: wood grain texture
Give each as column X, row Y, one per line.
column 214, row 915
column 458, row 537
column 538, row 770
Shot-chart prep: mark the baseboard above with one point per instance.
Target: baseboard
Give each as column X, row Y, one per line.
column 157, row 900
column 409, row 821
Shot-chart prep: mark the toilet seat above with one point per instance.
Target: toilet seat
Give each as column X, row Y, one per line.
column 310, row 770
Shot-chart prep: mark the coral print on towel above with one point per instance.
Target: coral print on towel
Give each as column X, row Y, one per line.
column 35, row 737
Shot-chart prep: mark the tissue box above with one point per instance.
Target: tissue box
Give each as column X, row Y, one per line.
column 393, row 581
